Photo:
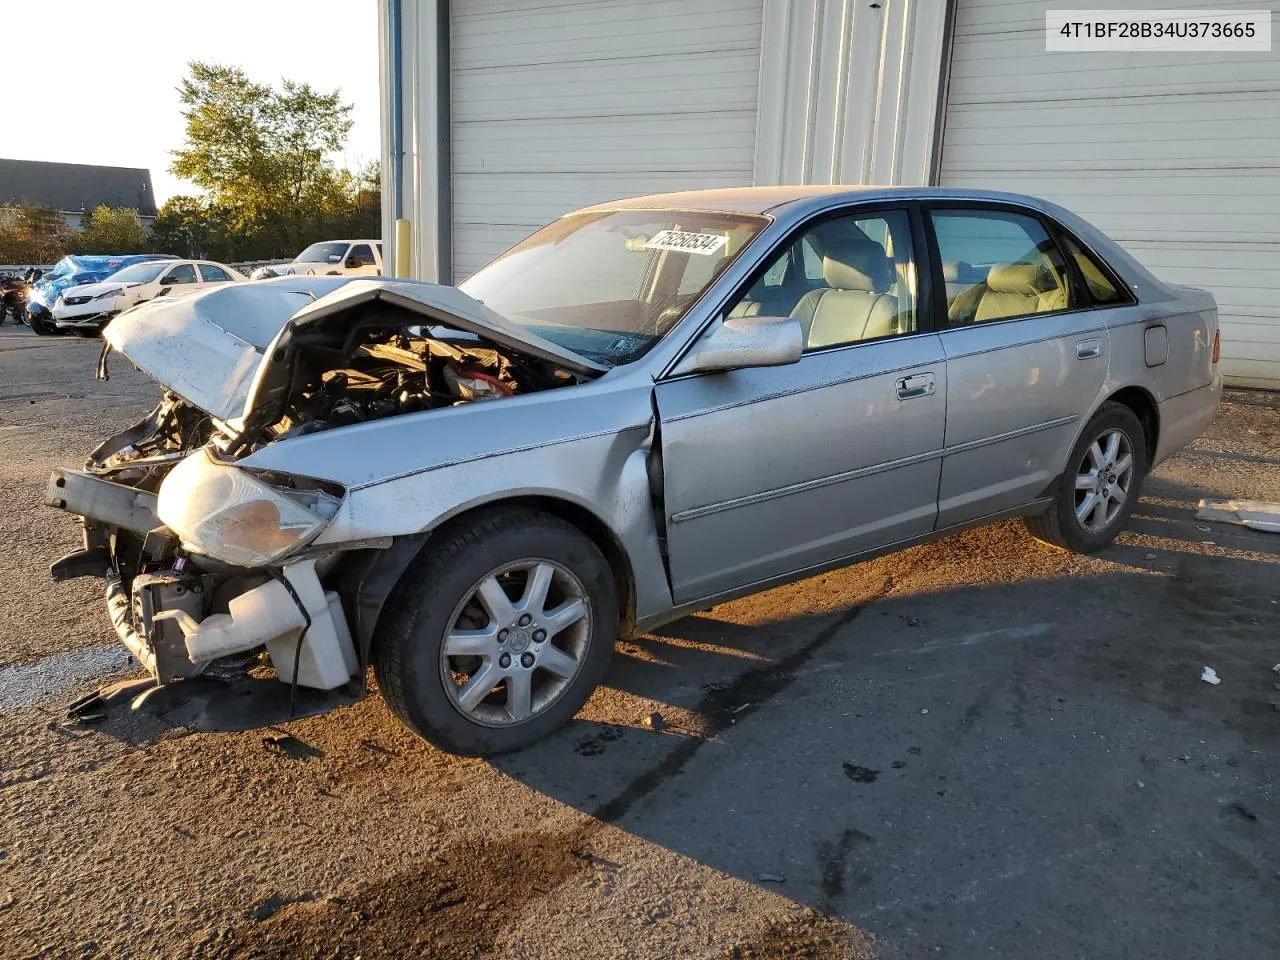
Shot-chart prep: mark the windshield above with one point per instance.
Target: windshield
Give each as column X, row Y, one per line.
column 610, row 285
column 322, row 252
column 140, row 272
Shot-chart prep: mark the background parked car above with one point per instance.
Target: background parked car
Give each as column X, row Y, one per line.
column 72, row 271
column 337, row 258
column 86, row 309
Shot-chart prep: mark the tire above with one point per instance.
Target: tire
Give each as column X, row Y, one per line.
column 44, row 328
column 1062, row 524
column 443, row 698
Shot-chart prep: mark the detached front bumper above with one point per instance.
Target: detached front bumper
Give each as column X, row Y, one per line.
column 177, row 614
column 83, row 315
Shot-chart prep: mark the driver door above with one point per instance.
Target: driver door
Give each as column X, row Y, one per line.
column 775, row 470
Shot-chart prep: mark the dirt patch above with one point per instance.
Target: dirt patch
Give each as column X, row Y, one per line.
column 457, row 905
column 809, row 936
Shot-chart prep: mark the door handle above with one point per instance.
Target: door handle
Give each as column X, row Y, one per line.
column 1086, row 349
column 919, row 385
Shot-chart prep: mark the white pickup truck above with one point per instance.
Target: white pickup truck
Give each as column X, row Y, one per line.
column 337, row 258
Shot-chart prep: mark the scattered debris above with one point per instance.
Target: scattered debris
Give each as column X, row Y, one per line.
column 1149, row 556
column 772, row 878
column 1276, row 668
column 911, row 621
column 1210, row 676
column 655, row 721
column 592, row 858
column 860, row 774
column 1255, row 514
column 1203, row 527
column 898, row 764
column 923, row 711
column 1140, row 784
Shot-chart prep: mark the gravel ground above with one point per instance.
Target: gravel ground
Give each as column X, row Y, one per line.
column 976, row 748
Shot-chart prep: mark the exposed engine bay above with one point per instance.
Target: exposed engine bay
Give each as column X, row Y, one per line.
column 182, row 610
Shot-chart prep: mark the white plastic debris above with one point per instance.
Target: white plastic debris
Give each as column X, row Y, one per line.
column 1210, row 676
column 1255, row 514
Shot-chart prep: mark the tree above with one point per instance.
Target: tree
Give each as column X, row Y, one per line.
column 31, row 234
column 188, row 227
column 112, row 230
column 263, row 155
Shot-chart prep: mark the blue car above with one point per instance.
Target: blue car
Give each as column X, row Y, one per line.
column 72, row 271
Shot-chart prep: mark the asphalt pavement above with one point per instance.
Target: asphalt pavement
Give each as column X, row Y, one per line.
column 980, row 747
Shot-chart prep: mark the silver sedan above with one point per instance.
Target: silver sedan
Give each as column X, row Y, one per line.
column 645, row 408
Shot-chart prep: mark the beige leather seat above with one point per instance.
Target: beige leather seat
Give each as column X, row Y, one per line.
column 854, row 306
column 1011, row 290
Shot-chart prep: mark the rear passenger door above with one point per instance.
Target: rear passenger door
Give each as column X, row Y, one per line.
column 1026, row 356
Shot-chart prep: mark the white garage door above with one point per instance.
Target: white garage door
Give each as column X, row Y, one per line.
column 561, row 103
column 1173, row 155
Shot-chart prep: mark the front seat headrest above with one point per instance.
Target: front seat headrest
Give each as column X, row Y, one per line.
column 1028, row 279
column 850, row 265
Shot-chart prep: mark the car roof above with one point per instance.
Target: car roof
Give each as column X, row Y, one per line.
column 769, row 199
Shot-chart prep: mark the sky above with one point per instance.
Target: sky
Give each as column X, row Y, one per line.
column 128, row 57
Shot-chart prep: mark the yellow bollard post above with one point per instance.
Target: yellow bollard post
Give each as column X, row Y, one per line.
column 402, row 249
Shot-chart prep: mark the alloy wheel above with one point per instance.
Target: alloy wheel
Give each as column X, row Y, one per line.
column 515, row 642
column 1103, row 480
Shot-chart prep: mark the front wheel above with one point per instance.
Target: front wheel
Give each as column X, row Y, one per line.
column 42, row 327
column 498, row 632
column 1100, row 485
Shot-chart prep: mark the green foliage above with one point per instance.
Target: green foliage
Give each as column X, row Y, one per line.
column 262, row 155
column 32, row 235
column 112, row 230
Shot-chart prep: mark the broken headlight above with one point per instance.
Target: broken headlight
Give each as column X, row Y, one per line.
column 235, row 515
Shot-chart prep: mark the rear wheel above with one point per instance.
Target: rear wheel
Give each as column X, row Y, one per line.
column 498, row 632
column 1100, row 485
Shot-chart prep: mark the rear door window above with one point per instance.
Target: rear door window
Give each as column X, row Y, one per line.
column 212, row 274
column 999, row 265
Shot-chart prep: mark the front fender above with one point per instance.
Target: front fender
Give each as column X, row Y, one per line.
column 605, row 476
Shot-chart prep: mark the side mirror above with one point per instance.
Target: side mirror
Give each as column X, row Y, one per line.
column 163, row 292
column 354, row 263
column 742, row 342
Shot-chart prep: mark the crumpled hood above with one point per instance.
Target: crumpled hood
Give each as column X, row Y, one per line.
column 207, row 347
column 95, row 289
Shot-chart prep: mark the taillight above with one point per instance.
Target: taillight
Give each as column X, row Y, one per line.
column 1217, row 345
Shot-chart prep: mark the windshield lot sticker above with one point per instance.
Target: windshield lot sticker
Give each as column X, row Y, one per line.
column 702, row 243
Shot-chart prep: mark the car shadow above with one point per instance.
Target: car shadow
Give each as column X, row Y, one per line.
column 953, row 768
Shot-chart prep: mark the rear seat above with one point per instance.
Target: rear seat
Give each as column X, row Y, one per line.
column 1010, row 290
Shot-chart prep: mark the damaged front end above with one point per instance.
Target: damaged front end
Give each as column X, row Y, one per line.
column 210, row 562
